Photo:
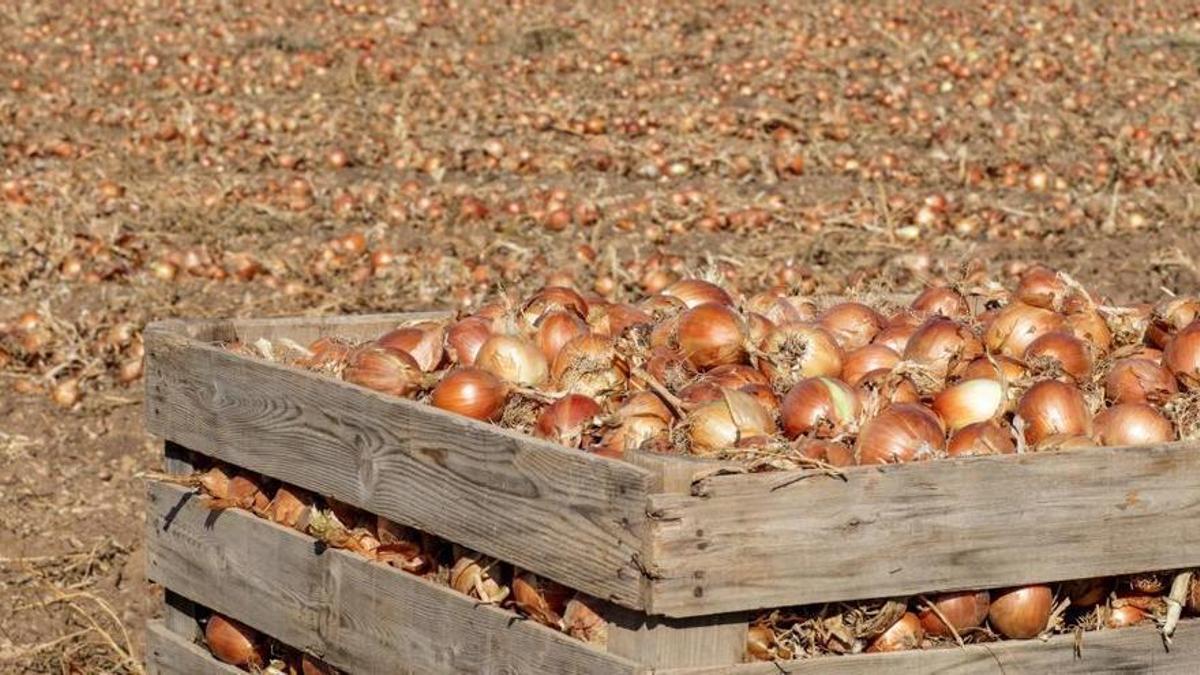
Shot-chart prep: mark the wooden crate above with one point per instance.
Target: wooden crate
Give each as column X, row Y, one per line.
column 682, row 550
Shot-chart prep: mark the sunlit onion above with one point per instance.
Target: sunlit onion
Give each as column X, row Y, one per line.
column 795, row 351
column 943, row 346
column 1123, row 617
column 615, row 319
column 565, row 420
column 696, row 292
column 1016, row 326
column 865, row 359
column 981, row 438
column 997, row 367
column 711, row 335
column 1132, row 424
column 582, row 622
column 968, row 402
column 1052, row 407
column 288, row 505
column 465, row 338
column 553, row 298
column 881, row 388
column 895, row 337
column 423, row 341
column 233, row 642
column 1182, row 356
column 1063, row 442
column 821, row 407
column 384, row 370
column 1063, row 351
column 903, row 635
column 723, row 424
column 513, row 360
column 557, row 328
column 963, row 609
column 1139, row 381
column 1022, row 612
column 540, row 599
column 588, row 365
column 833, row 453
column 941, row 301
column 901, row 433
column 852, row 324
column 764, row 395
column 1042, row 287
column 471, row 392
column 1089, row 326
column 1169, row 317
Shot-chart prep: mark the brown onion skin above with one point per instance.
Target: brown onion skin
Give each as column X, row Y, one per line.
column 588, row 365
column 901, row 433
column 233, row 642
column 423, row 341
column 963, row 609
column 866, row 359
column 852, row 324
column 895, row 337
column 1169, row 317
column 513, row 359
column 887, row 387
column 1022, row 612
column 819, row 406
column 619, row 318
column 1041, row 287
column 793, row 352
column 1016, row 326
column 1052, row 407
column 1139, row 381
column 1124, row 617
column 999, row 367
column 1070, row 353
column 552, row 298
column 1087, row 592
column 384, row 370
column 905, row 634
column 1061, row 442
column 1182, row 356
column 1132, row 424
column 711, row 335
column 471, row 392
column 563, row 420
column 764, row 395
column 969, row 402
column 942, row 301
column 696, row 292
column 557, row 328
column 735, row 375
column 942, row 345
column 465, row 338
column 981, row 438
column 831, row 452
column 1089, row 326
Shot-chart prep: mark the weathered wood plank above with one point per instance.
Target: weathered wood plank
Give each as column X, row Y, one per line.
column 662, row 642
column 571, row 516
column 767, row 540
column 302, row 329
column 1129, row 650
column 171, row 654
column 360, row 616
column 179, row 616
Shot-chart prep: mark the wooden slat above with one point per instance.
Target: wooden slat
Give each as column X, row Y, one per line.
column 170, row 654
column 360, row 616
column 302, row 329
column 1128, row 650
column 571, row 516
column 179, row 616
column 662, row 642
column 768, row 540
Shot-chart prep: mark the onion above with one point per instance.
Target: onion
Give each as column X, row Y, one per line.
column 513, row 360
column 557, row 328
column 1042, row 287
column 866, row 359
column 617, row 318
column 852, row 324
column 942, row 345
column 1089, row 326
column 1053, row 407
column 1139, row 381
column 760, row 643
column 764, row 395
column 476, row 575
column 779, row 309
column 635, row 428
column 233, row 642
column 830, row 452
column 1060, row 442
column 1016, row 326
column 384, row 370
column 1182, row 356
column 901, row 433
column 588, row 365
column 288, row 506
column 1087, row 592
column 540, row 599
column 981, row 438
column 214, row 482
column 997, row 367
column 963, row 609
column 565, row 420
column 423, row 341
column 880, row 388
column 465, row 338
column 1132, row 424
column 795, row 351
column 327, row 352
column 669, row 368
column 757, row 327
column 1021, row 612
column 970, row 401
column 725, row 423
column 895, row 337
column 820, row 407
column 553, row 298
column 1069, row 353
column 1169, row 317
column 471, row 392
column 582, row 622
column 1123, row 617
column 902, row 635
column 735, row 376
column 695, row 292
column 711, row 335
column 941, row 301
column 311, row 665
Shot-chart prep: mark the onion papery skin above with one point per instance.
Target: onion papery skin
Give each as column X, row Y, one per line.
column 696, row 292
column 1124, row 617
column 795, row 351
column 820, row 407
column 866, row 359
column 1139, row 381
column 423, row 341
column 1132, row 424
column 565, row 420
column 1064, row 442
column 903, row 635
column 1169, row 317
column 970, row 401
column 833, row 453
column 618, row 318
column 901, row 433
column 852, row 324
column 1052, row 407
column 1021, row 613
column 1067, row 352
column 779, row 309
column 1087, row 592
column 941, row 301
column 711, row 335
column 963, row 609
column 588, row 365
column 723, row 424
column 552, row 298
column 471, row 392
column 1182, row 356
column 943, row 346
column 556, row 329
column 384, row 370
column 895, row 337
column 981, row 438
column 513, row 360
column 1016, row 326
column 1089, row 326
column 233, row 642
column 1042, row 287
column 465, row 338
column 879, row 389
column 582, row 622
column 998, row 367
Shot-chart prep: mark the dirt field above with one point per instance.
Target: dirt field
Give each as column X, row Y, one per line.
column 265, row 158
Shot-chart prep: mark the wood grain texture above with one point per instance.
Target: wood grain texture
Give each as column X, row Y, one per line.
column 662, row 642
column 360, row 616
column 179, row 616
column 171, row 654
column 571, row 516
column 791, row 538
column 302, row 329
column 1129, row 650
